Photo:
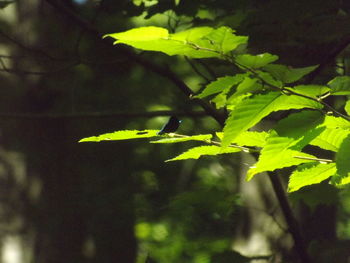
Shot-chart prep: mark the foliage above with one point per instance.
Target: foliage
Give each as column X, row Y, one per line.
column 260, row 89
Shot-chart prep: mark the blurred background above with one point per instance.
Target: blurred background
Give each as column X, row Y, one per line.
column 61, row 201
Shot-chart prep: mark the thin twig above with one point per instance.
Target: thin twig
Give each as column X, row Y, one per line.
column 195, row 69
column 314, row 159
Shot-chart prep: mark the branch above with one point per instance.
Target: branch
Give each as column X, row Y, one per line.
column 294, row 229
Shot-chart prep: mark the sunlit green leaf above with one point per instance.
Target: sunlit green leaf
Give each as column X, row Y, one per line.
column 225, row 40
column 249, row 138
column 311, row 90
column 342, row 158
column 347, row 107
column 336, row 122
column 330, row 139
column 277, row 154
column 200, row 42
column 340, row 85
column 288, row 74
column 250, row 111
column 257, row 61
column 122, row 135
column 202, row 137
column 308, row 175
column 246, row 86
column 197, row 152
column 221, row 84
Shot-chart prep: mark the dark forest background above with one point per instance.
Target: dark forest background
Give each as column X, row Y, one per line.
column 61, row 201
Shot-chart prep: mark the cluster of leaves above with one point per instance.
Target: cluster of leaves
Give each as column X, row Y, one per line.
column 261, row 88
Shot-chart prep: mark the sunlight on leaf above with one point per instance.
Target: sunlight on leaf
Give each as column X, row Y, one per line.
column 221, row 84
column 197, row 152
column 200, row 42
column 122, row 135
column 308, row 175
column 201, row 137
column 250, row 111
column 342, row 158
column 248, row 138
column 277, row 155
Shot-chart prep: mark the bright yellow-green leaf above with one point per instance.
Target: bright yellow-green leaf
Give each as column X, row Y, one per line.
column 249, row 138
column 201, row 137
column 330, row 139
column 246, row 86
column 311, row 90
column 336, row 122
column 224, row 39
column 140, row 34
column 342, row 158
column 197, row 152
column 221, row 84
column 200, row 42
column 308, row 175
column 277, row 154
column 347, row 107
column 122, row 135
column 251, row 110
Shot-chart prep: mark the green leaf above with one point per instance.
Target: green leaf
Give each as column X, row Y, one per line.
column 200, row 42
column 340, row 181
column 298, row 124
column 197, row 152
column 347, row 107
column 192, row 34
column 277, row 155
column 246, row 86
column 221, row 84
column 159, row 39
column 330, row 139
column 250, row 111
column 308, row 175
column 249, row 138
column 254, row 62
column 224, row 40
column 311, row 90
column 288, row 74
column 268, row 78
column 336, row 122
column 201, row 137
column 340, row 85
column 342, row 158
column 122, row 135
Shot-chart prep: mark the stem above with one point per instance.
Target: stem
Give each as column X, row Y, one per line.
column 294, row 229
